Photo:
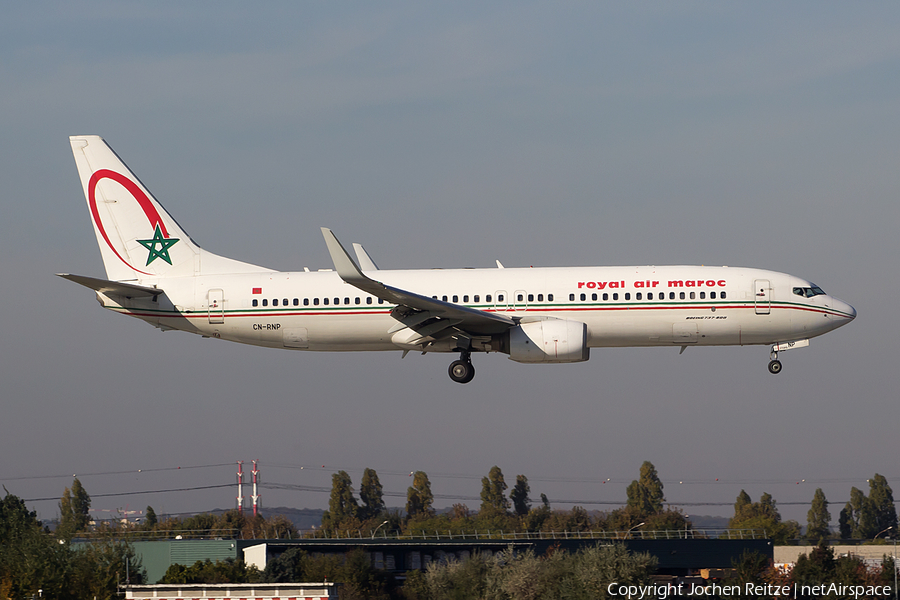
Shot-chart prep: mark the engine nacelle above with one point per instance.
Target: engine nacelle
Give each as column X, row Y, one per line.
column 549, row 341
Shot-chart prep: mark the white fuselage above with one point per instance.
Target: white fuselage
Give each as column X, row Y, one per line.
column 621, row 306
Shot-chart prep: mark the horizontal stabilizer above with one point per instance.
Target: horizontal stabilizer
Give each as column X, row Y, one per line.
column 115, row 288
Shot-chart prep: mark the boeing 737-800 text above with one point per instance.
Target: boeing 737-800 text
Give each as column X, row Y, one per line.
column 155, row 272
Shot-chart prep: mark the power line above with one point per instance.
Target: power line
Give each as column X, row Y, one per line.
column 129, row 472
column 111, row 495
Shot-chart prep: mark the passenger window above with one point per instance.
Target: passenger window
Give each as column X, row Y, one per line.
column 356, row 300
column 369, row 300
column 628, row 295
column 693, row 295
column 583, row 297
column 296, row 301
column 519, row 298
column 337, row 301
column 284, row 302
column 605, row 296
column 712, row 295
column 255, row 302
column 549, row 297
column 531, row 297
column 649, row 295
column 637, row 296
column 306, row 302
column 466, row 298
column 380, row 301
column 499, row 297
column 315, row 301
column 593, row 296
column 540, row 297
column 275, row 302
column 325, row 301
column 455, row 298
column 615, row 295
column 671, row 295
column 722, row 295
column 703, row 295
column 265, row 302
column 571, row 297
column 487, row 298
column 444, row 298
column 476, row 298
column 681, row 295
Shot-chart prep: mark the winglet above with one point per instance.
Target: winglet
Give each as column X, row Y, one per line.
column 365, row 261
column 343, row 264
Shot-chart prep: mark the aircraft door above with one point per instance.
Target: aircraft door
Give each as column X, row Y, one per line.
column 501, row 301
column 762, row 291
column 520, row 300
column 216, row 306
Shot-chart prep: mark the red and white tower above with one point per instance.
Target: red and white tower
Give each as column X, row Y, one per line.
column 255, row 490
column 240, row 482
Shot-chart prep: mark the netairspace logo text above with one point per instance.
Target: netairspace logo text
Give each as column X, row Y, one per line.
column 661, row 592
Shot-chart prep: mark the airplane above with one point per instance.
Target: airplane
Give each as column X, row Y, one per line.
column 157, row 273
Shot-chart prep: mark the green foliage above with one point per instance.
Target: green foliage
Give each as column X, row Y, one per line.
column 342, row 505
column 862, row 515
column 519, row 496
column 524, row 576
column 150, row 519
column 645, row 495
column 817, row 518
column 881, row 499
column 206, row 571
column 74, row 510
column 763, row 515
column 97, row 568
column 419, row 499
column 371, row 495
column 30, row 559
column 845, row 522
column 493, row 493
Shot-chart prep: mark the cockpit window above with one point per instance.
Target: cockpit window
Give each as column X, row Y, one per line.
column 809, row 292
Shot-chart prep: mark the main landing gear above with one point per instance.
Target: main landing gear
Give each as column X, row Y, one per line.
column 774, row 363
column 462, row 371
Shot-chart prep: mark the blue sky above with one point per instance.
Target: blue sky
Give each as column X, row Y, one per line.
column 443, row 136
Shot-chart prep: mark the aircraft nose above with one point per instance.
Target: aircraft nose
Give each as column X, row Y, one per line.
column 844, row 313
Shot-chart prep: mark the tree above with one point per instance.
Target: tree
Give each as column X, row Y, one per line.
column 845, row 522
column 862, row 516
column 493, row 493
column 74, row 510
column 371, row 494
column 645, row 495
column 150, row 519
column 817, row 518
column 419, row 497
column 342, row 504
column 743, row 505
column 881, row 501
column 29, row 558
column 519, row 496
column 763, row 515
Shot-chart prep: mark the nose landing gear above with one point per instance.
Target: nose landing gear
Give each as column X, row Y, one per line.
column 774, row 363
column 462, row 370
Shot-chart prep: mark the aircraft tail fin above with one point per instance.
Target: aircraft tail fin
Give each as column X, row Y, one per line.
column 138, row 238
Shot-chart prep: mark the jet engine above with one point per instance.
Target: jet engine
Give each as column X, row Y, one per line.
column 548, row 341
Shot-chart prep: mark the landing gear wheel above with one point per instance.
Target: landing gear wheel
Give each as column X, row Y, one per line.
column 462, row 371
column 775, row 367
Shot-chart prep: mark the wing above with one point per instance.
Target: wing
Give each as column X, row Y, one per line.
column 427, row 316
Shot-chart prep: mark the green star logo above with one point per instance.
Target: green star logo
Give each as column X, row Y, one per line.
column 164, row 245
